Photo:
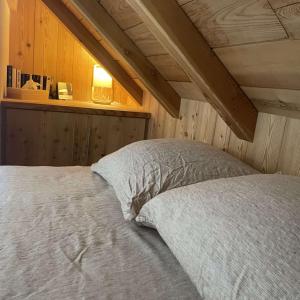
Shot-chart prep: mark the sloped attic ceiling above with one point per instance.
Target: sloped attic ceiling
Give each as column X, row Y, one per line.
column 248, row 37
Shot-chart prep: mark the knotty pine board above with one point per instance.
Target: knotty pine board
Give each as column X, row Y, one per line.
column 41, row 44
column 276, row 145
column 230, row 22
column 266, row 65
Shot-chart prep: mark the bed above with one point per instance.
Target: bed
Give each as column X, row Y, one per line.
column 63, row 236
column 157, row 219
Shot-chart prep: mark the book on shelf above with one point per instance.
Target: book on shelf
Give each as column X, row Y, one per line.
column 37, row 79
column 19, row 78
column 24, row 78
column 9, row 76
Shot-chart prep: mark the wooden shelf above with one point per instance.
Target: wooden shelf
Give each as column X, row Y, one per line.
column 81, row 107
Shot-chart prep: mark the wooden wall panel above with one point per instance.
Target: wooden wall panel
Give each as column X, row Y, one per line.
column 4, row 45
column 35, row 137
column 276, row 145
column 22, row 35
column 46, row 41
column 41, row 44
column 289, row 162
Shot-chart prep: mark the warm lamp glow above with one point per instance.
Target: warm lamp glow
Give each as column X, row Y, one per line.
column 101, row 78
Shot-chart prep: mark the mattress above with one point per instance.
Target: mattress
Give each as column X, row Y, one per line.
column 63, row 236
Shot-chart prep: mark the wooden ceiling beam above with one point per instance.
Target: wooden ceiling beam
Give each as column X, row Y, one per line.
column 95, row 48
column 114, row 35
column 176, row 32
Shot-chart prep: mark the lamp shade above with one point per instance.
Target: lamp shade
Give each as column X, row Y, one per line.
column 101, row 78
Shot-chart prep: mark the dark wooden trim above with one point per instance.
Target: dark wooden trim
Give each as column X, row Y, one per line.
column 69, row 109
column 95, row 48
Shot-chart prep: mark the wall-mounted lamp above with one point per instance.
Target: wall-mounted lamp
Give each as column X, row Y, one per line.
column 102, row 86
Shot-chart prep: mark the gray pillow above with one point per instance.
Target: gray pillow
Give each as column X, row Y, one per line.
column 142, row 170
column 236, row 238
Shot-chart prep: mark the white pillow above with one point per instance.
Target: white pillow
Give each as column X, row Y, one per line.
column 236, row 238
column 142, row 170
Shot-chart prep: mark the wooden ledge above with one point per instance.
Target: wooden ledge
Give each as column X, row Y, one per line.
column 79, row 107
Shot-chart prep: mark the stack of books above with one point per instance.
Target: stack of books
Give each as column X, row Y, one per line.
column 17, row 79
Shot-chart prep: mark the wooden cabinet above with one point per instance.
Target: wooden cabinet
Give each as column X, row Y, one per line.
column 62, row 136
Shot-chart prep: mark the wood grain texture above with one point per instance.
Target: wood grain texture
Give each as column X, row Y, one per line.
column 275, row 101
column 264, row 153
column 122, row 13
column 4, row 46
column 176, row 32
column 230, row 22
column 106, row 25
column 45, row 41
column 79, row 107
column 267, row 65
column 188, row 90
column 94, row 47
column 289, row 162
column 35, row 137
column 280, row 3
column 145, row 40
column 59, row 54
column 290, row 19
column 169, row 68
column 22, row 40
column 276, row 141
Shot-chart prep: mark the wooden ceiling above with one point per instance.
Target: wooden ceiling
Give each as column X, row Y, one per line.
column 257, row 40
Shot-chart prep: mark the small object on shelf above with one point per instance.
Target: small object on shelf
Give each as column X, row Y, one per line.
column 31, row 85
column 27, row 94
column 102, row 86
column 65, row 91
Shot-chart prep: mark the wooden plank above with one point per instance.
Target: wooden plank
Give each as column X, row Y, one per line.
column 275, row 101
column 230, row 22
column 145, row 40
column 267, row 65
column 206, row 118
column 221, row 135
column 168, row 68
column 85, row 22
column 4, row 46
column 59, row 139
column 188, row 90
column 46, row 41
column 289, row 162
column 147, row 73
column 264, row 153
column 290, row 19
column 65, row 55
column 280, row 3
column 21, row 53
column 237, row 147
column 22, row 147
column 176, row 32
column 93, row 46
column 83, row 67
column 124, row 15
column 79, row 107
